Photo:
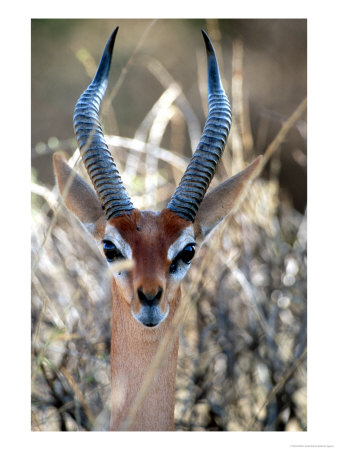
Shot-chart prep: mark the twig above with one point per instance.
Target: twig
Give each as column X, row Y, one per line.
column 56, row 213
column 78, row 394
column 136, row 145
column 129, row 63
column 286, row 375
column 286, row 127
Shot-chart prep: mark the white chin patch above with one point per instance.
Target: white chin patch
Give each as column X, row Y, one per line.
column 150, row 316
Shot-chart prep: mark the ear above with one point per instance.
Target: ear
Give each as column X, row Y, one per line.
column 77, row 195
column 221, row 200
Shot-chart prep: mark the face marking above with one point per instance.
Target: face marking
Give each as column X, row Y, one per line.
column 114, row 236
column 151, row 240
column 187, row 237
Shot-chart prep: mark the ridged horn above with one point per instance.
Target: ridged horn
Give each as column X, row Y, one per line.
column 93, row 148
column 201, row 169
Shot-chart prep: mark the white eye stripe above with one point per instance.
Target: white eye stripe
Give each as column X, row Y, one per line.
column 187, row 237
column 114, row 236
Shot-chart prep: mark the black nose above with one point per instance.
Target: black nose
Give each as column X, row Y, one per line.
column 149, row 298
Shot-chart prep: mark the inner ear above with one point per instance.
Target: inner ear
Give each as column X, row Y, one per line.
column 221, row 201
column 78, row 196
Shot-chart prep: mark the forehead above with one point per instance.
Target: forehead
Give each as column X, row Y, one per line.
column 147, row 227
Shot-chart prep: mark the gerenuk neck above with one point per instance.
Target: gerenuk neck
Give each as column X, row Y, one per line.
column 133, row 348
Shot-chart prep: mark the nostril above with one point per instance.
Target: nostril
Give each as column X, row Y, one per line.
column 142, row 297
column 158, row 296
column 148, row 298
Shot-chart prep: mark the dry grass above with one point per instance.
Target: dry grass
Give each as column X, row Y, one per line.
column 242, row 358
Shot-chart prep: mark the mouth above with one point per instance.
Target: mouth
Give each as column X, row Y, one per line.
column 150, row 316
column 150, row 325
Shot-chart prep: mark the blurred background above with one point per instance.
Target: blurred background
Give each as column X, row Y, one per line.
column 242, row 361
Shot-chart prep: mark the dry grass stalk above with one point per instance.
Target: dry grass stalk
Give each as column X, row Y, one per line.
column 222, row 346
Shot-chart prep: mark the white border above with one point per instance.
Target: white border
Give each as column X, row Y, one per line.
column 15, row 228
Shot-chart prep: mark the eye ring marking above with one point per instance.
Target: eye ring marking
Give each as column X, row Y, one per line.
column 112, row 253
column 186, row 255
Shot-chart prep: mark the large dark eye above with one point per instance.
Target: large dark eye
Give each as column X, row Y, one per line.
column 186, row 255
column 111, row 251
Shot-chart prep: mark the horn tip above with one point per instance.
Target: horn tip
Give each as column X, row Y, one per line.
column 207, row 41
column 114, row 33
column 104, row 66
column 214, row 79
column 111, row 41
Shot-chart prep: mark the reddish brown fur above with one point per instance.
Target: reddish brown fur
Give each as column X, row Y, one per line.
column 165, row 226
column 133, row 345
column 150, row 235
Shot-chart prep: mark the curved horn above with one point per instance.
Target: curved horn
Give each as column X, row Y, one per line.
column 201, row 169
column 94, row 150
